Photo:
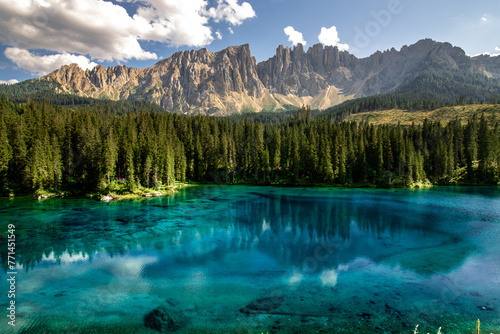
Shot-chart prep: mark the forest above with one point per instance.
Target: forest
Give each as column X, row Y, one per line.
column 93, row 149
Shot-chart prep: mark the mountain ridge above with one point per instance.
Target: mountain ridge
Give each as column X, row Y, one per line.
column 227, row 81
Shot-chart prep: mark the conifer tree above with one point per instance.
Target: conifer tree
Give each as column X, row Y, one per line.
column 147, row 169
column 5, row 155
column 484, row 148
column 109, row 156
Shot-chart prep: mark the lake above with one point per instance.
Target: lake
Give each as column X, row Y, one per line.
column 241, row 259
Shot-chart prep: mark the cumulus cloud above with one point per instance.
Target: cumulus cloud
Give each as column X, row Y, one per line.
column 218, row 35
column 294, row 36
column 45, row 64
column 232, row 12
column 494, row 54
column 330, row 36
column 99, row 28
column 106, row 31
column 484, row 54
column 231, row 31
column 175, row 22
column 9, row 82
column 484, row 19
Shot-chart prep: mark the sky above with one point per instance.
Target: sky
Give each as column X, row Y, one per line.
column 39, row 36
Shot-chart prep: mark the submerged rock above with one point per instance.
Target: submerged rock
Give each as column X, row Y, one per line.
column 173, row 302
column 263, row 305
column 164, row 320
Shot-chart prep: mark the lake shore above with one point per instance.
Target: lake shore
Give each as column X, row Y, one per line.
column 123, row 193
column 106, row 196
column 336, row 260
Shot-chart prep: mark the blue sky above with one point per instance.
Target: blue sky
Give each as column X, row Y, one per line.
column 38, row 36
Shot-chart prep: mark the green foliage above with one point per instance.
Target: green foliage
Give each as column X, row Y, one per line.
column 445, row 83
column 29, row 87
column 45, row 91
column 435, row 87
column 46, row 147
column 247, row 110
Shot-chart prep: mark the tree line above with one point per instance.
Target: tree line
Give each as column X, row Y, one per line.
column 43, row 146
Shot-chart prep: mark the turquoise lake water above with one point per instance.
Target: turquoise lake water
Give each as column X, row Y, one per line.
column 337, row 260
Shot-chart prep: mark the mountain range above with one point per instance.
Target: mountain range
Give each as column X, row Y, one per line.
column 231, row 80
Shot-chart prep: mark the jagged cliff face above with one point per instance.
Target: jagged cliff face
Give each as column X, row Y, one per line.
column 187, row 81
column 229, row 80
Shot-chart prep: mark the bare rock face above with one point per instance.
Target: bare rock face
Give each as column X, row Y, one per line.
column 188, row 80
column 113, row 77
column 229, row 80
column 293, row 71
column 72, row 77
column 202, row 77
column 488, row 65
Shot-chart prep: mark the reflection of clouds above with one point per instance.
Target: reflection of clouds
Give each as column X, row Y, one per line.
column 265, row 225
column 86, row 290
column 477, row 273
column 294, row 279
column 65, row 257
column 72, row 267
column 343, row 267
column 196, row 282
column 177, row 238
column 329, row 278
column 128, row 266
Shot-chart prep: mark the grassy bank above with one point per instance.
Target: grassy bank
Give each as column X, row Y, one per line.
column 443, row 115
column 120, row 191
column 115, row 191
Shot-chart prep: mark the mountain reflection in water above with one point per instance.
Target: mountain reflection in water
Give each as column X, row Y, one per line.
column 211, row 250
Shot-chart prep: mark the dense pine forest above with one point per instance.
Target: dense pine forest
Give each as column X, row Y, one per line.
column 47, row 147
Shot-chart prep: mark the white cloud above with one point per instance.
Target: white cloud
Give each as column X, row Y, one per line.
column 175, row 22
column 99, row 28
column 330, row 36
column 294, row 36
column 218, row 35
column 484, row 19
column 497, row 48
column 9, row 82
column 104, row 30
column 485, row 54
column 231, row 31
column 232, row 12
column 45, row 64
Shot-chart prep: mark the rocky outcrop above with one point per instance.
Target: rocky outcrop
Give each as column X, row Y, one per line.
column 488, row 65
column 164, row 320
column 263, row 305
column 293, row 71
column 189, row 80
column 229, row 80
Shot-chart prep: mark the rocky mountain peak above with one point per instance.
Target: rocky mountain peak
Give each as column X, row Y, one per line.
column 71, row 77
column 226, row 81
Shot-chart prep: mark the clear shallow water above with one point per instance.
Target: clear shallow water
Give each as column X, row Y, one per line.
column 345, row 260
